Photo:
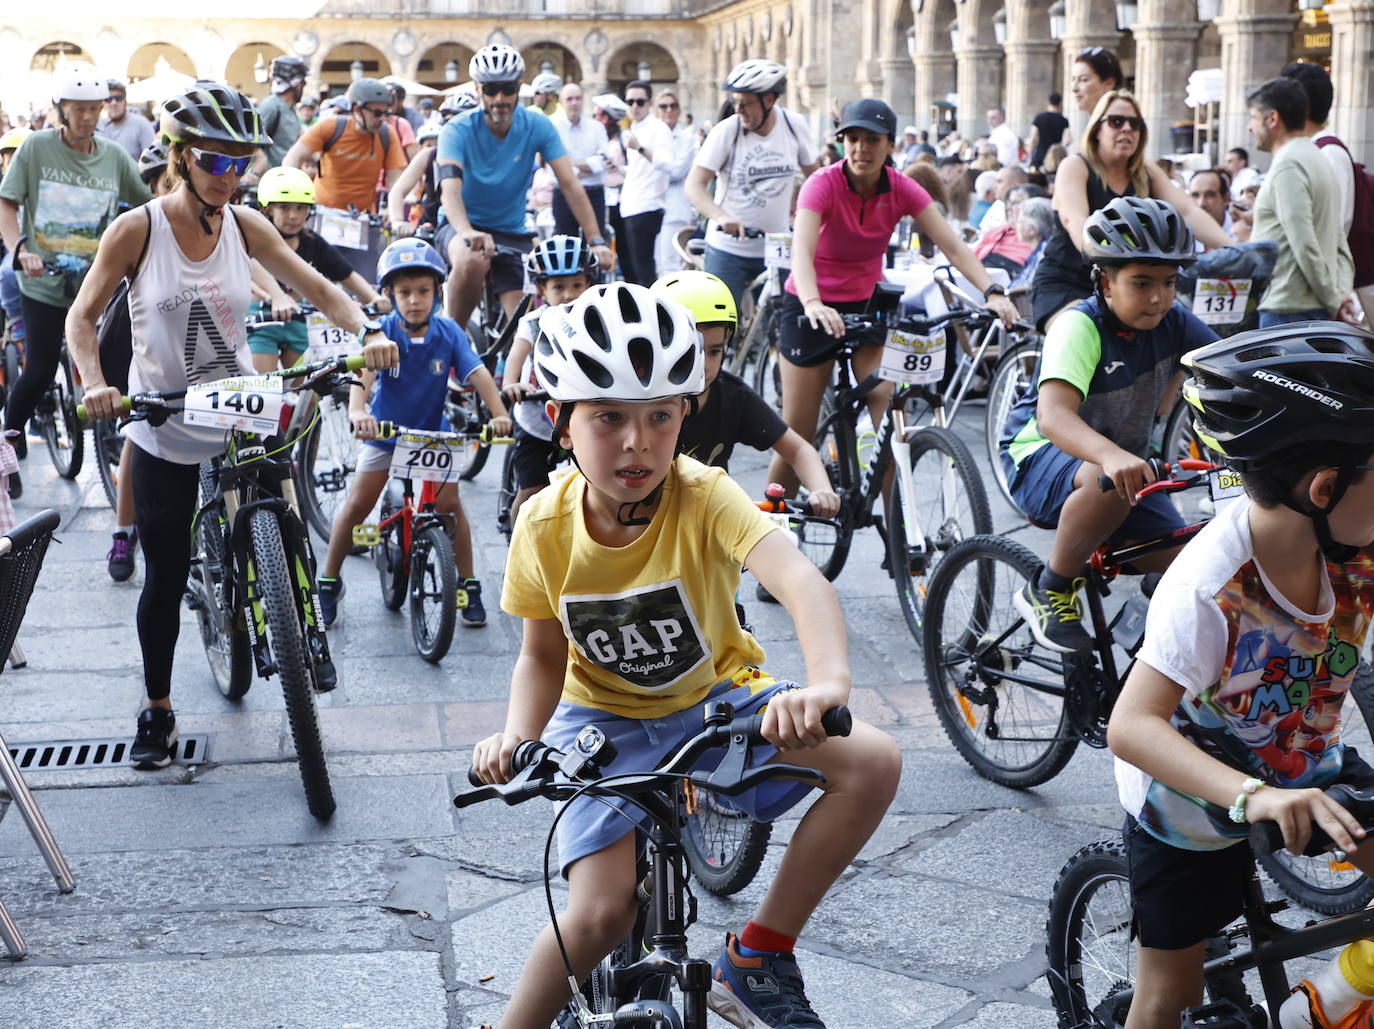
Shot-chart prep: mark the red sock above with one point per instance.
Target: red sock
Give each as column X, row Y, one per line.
column 760, row 938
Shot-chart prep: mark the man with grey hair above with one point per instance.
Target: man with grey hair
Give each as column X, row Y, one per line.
column 1035, row 222
column 585, row 138
column 1004, row 137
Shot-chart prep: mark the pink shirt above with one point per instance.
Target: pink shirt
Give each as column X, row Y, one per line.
column 855, row 231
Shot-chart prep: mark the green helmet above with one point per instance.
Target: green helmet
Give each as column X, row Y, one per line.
column 285, row 186
column 707, row 297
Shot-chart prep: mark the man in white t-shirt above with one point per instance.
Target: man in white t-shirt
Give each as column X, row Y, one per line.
column 1242, row 175
column 754, row 156
column 677, row 210
column 649, row 153
column 1003, row 137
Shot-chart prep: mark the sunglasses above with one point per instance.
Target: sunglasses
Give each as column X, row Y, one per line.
column 219, row 164
column 500, row 88
column 667, row 107
column 116, row 98
column 377, row 112
column 1091, row 51
column 636, row 102
column 1120, row 121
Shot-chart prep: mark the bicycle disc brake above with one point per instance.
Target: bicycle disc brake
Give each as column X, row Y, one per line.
column 1085, row 694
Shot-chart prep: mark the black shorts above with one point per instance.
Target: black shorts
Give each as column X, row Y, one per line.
column 507, row 270
column 533, row 458
column 806, row 347
column 1179, row 897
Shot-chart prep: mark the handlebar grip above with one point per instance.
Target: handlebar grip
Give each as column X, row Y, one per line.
column 837, row 722
column 526, row 753
column 126, row 404
column 474, row 779
column 1160, row 470
column 386, row 430
column 355, row 363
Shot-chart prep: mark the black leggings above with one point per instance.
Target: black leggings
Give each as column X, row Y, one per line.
column 637, row 247
column 44, row 326
column 165, row 496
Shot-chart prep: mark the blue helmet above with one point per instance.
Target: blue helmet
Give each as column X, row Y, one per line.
column 560, row 255
column 410, row 255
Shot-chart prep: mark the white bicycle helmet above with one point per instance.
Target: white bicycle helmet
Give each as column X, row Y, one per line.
column 457, row 103
column 546, row 82
column 611, row 104
column 756, row 76
column 429, row 130
column 619, row 342
column 496, row 63
column 78, row 80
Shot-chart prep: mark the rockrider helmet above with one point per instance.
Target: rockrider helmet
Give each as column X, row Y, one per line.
column 706, row 296
column 496, row 62
column 756, row 76
column 210, row 111
column 151, row 162
column 560, row 255
column 368, row 91
column 1259, row 395
column 412, row 255
column 284, row 185
column 546, row 82
column 1133, row 229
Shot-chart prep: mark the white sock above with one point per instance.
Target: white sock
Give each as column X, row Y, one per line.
column 128, row 530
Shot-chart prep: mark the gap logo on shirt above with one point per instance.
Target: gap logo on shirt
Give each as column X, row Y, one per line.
column 648, row 636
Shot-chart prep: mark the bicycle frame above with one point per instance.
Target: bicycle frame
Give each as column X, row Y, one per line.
column 409, row 517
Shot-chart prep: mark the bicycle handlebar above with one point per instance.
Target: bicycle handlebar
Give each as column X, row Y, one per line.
column 390, row 430
column 1168, row 478
column 1267, row 837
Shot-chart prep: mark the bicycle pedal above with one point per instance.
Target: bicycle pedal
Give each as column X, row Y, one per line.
column 366, row 535
column 326, row 677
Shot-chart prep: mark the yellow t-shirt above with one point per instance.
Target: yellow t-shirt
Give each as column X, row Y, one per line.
column 651, row 626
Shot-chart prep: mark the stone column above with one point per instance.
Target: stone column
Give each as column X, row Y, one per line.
column 899, row 80
column 1352, row 43
column 980, row 86
column 1255, row 38
column 934, row 78
column 1030, row 80
column 1165, row 55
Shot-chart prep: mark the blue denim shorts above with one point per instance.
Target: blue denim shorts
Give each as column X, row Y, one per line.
column 592, row 825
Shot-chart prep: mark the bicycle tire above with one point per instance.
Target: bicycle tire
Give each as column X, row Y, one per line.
column 1013, row 375
column 227, row 647
column 1089, row 948
column 826, row 546
column 950, row 504
column 465, row 414
column 292, row 657
column 390, row 561
column 326, row 464
column 969, row 607
column 767, row 375
column 724, row 846
column 13, row 366
column 505, row 496
column 1318, row 882
column 433, row 592
column 63, row 432
column 108, row 447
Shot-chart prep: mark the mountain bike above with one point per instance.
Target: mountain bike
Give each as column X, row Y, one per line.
column 54, row 416
column 252, row 584
column 1092, row 954
column 633, row 985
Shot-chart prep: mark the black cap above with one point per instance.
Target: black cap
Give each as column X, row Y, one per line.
column 873, row 115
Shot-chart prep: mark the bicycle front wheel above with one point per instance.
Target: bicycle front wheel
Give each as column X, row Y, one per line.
column 63, row 432
column 947, row 504
column 1088, row 937
column 724, row 846
column 828, row 545
column 767, row 375
column 226, row 643
column 1011, row 380
column 466, row 414
column 505, row 496
column 326, row 461
column 109, row 447
column 292, row 658
column 433, row 592
column 1000, row 696
column 390, row 559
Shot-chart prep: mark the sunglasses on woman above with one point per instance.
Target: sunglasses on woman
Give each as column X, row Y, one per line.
column 1117, row 122
column 502, row 88
column 219, row 164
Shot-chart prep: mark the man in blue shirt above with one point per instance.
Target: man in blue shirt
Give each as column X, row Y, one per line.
column 485, row 166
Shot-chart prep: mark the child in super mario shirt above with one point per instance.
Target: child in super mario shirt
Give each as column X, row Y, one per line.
column 411, row 274
column 1231, row 714
column 625, row 575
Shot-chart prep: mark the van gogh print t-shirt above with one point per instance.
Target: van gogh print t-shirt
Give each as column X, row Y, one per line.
column 651, row 626
column 1263, row 681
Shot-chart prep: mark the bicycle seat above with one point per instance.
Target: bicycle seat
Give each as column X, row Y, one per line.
column 1267, row 837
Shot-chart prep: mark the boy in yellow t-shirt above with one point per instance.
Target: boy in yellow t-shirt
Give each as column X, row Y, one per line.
column 625, row 576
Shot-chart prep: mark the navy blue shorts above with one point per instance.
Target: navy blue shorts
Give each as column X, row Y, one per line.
column 1045, row 480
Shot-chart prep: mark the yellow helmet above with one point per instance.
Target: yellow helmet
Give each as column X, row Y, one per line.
column 285, row 186
column 707, row 297
column 11, row 139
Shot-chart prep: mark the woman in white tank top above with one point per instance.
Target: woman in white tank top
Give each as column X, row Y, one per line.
column 187, row 259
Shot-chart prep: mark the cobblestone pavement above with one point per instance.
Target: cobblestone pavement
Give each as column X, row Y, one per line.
column 208, row 896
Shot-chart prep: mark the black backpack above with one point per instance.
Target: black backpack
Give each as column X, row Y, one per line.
column 340, row 123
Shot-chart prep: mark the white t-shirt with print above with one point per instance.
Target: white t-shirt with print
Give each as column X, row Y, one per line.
column 529, row 414
column 755, row 176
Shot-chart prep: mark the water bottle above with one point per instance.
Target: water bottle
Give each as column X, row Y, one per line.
column 500, row 369
column 866, row 438
column 1343, row 985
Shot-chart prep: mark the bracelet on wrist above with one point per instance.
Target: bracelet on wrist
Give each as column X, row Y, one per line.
column 1237, row 810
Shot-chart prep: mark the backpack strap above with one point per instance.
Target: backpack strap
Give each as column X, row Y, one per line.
column 340, row 123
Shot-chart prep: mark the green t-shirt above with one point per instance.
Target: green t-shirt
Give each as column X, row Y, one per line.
column 280, row 122
column 68, row 200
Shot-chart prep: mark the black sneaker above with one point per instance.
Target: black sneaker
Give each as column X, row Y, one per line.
column 330, row 592
column 470, row 606
column 763, row 992
column 16, row 485
column 1054, row 618
column 157, row 734
column 762, row 594
column 120, row 559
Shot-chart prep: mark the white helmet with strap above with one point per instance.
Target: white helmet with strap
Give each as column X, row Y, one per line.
column 496, row 62
column 78, row 80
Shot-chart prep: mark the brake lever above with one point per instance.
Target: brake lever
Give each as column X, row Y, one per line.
column 733, row 782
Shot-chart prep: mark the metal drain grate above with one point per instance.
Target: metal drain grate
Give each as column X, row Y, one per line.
column 192, row 749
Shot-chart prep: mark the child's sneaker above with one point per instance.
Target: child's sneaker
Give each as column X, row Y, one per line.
column 120, row 559
column 157, row 733
column 330, row 592
column 1055, row 618
column 763, row 992
column 470, row 604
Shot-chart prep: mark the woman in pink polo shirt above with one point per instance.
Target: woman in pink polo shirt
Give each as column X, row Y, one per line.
column 845, row 216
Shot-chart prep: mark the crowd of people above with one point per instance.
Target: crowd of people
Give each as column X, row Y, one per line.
column 619, row 367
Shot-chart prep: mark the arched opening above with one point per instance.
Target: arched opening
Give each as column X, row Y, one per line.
column 349, row 61
column 250, row 68
column 444, row 65
column 554, row 57
column 143, row 63
column 48, row 57
column 640, row 61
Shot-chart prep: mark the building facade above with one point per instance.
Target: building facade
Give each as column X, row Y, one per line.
column 935, row 61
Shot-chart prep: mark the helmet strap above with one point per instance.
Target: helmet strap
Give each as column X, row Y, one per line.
column 206, row 208
column 1331, row 549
